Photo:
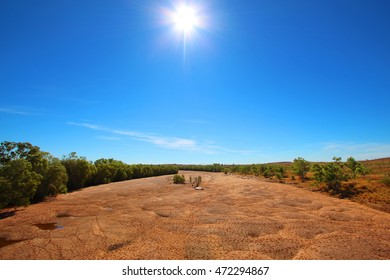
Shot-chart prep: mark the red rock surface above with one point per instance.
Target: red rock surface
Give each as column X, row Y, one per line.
column 232, row 218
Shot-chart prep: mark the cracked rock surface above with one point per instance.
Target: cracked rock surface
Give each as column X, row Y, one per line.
column 233, row 217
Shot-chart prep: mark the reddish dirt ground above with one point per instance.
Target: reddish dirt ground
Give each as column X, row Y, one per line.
column 232, row 218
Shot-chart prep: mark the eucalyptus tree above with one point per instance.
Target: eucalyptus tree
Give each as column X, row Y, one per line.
column 80, row 171
column 28, row 174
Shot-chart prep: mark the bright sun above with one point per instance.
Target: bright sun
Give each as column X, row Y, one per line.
column 185, row 19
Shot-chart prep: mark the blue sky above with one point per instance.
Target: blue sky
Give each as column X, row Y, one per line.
column 257, row 81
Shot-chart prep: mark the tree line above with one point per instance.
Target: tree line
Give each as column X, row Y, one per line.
column 331, row 175
column 28, row 174
column 216, row 167
column 267, row 170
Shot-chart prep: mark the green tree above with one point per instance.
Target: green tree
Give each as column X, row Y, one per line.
column 79, row 170
column 110, row 170
column 216, row 167
column 18, row 183
column 10, row 151
column 332, row 174
column 356, row 167
column 105, row 171
column 50, row 174
column 54, row 180
column 300, row 167
column 28, row 174
column 121, row 174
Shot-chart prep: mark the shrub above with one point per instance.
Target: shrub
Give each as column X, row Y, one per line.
column 279, row 171
column 300, row 168
column 197, row 181
column 179, row 179
column 332, row 174
column 356, row 168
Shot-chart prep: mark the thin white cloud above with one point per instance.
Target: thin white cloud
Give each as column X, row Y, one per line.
column 165, row 142
column 359, row 151
column 15, row 111
column 88, row 125
column 173, row 143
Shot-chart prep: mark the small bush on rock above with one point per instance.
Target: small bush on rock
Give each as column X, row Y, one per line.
column 179, row 179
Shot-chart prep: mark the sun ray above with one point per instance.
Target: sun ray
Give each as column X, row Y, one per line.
column 186, row 22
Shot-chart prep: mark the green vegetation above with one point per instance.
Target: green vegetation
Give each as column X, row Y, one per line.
column 28, row 174
column 332, row 174
column 300, row 167
column 366, row 182
column 79, row 170
column 18, row 183
column 179, row 179
column 356, row 167
column 269, row 171
column 216, row 167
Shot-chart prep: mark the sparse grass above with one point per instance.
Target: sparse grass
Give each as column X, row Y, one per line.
column 371, row 190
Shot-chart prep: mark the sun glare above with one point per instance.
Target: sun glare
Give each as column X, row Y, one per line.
column 185, row 22
column 185, row 19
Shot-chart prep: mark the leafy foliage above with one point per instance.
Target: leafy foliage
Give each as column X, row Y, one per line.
column 179, row 179
column 268, row 171
column 356, row 167
column 18, row 183
column 107, row 170
column 28, row 174
column 54, row 180
column 216, row 167
column 79, row 170
column 300, row 167
column 83, row 173
column 332, row 174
